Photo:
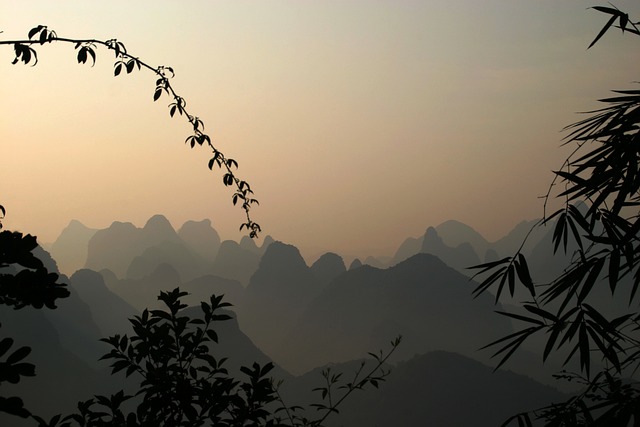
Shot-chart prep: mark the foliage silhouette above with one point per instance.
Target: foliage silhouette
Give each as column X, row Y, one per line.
column 183, row 384
column 24, row 282
column 124, row 61
column 602, row 241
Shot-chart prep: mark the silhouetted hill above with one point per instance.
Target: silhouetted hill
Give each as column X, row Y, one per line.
column 490, row 255
column 455, row 233
column 143, row 293
column 235, row 262
column 201, row 288
column 510, row 243
column 70, row 248
column 459, row 257
column 236, row 346
column 276, row 295
column 62, row 378
column 265, row 243
column 249, row 244
column 72, row 319
column 78, row 331
column 201, row 238
column 157, row 230
column 114, row 248
column 355, row 264
column 434, row 389
column 407, row 249
column 328, row 267
column 282, row 272
column 188, row 264
column 49, row 263
column 108, row 310
column 374, row 262
column 65, row 350
column 422, row 298
column 450, row 240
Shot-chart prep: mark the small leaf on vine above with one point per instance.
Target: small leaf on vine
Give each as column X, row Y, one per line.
column 35, row 31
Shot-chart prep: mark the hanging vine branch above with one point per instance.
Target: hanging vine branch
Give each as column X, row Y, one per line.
column 126, row 62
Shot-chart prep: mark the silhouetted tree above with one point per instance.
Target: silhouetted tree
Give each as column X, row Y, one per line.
column 602, row 242
column 24, row 282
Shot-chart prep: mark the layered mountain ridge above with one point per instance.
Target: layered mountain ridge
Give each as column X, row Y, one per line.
column 304, row 317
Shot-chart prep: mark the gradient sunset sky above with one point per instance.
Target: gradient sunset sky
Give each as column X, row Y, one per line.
column 357, row 123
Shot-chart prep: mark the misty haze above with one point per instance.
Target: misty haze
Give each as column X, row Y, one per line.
column 319, row 214
column 302, row 316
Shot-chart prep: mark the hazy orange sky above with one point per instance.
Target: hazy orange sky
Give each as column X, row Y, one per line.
column 357, row 123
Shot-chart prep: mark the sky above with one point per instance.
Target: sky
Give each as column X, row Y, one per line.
column 357, row 123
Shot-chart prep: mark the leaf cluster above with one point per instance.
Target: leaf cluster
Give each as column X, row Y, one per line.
column 24, row 282
column 12, row 368
column 181, row 383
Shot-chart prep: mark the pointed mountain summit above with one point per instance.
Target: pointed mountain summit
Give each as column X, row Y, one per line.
column 234, row 262
column 460, row 257
column 375, row 262
column 455, row 233
column 355, row 264
column 249, row 244
column 70, row 248
column 188, row 264
column 202, row 238
column 266, row 242
column 157, row 230
column 328, row 267
column 407, row 249
column 114, row 248
column 276, row 295
column 509, row 244
column 282, row 272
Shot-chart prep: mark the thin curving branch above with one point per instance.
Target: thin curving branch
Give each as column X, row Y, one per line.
column 125, row 61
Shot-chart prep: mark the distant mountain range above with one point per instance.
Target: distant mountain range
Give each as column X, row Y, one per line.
column 302, row 317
